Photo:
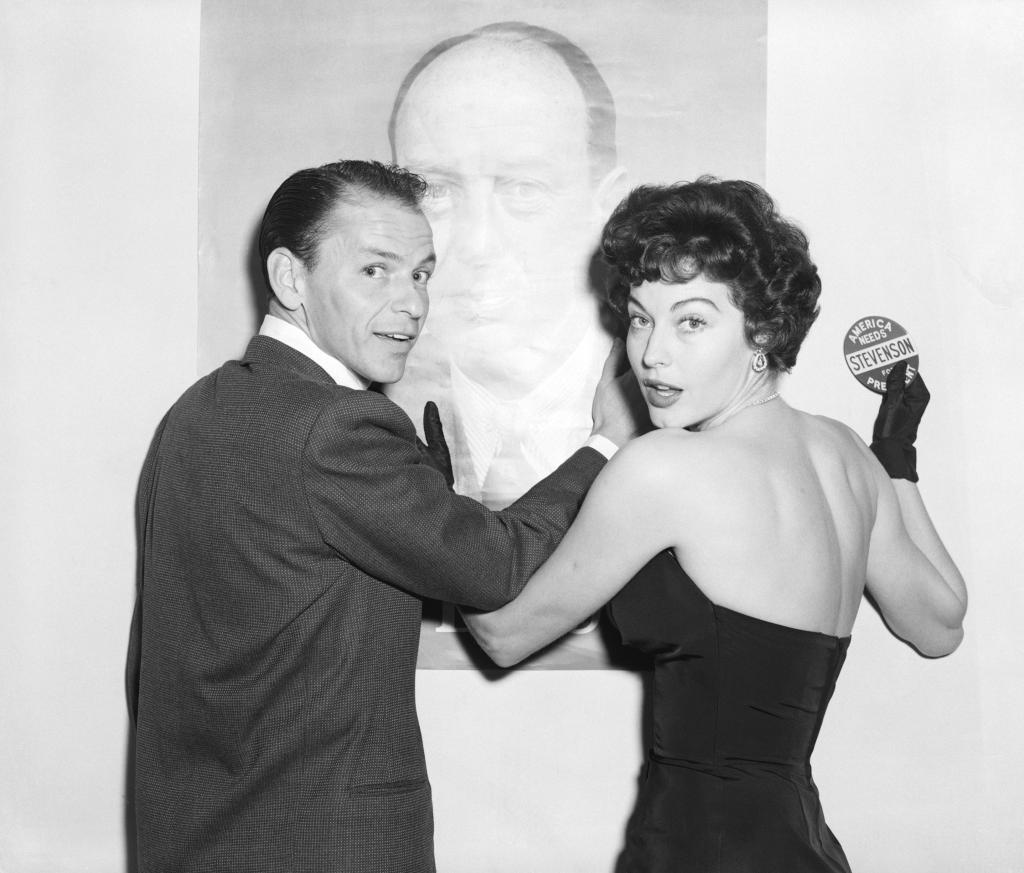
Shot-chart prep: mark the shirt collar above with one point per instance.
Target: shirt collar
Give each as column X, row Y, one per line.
column 296, row 338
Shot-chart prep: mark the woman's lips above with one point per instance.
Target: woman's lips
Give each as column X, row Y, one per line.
column 660, row 394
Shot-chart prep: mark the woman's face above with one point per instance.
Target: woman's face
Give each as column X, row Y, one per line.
column 687, row 347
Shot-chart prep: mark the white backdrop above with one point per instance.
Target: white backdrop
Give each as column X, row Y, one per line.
column 893, row 135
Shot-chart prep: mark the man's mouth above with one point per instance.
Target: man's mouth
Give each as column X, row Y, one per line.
column 397, row 337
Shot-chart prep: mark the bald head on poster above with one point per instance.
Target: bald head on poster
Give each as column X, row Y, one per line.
column 513, row 128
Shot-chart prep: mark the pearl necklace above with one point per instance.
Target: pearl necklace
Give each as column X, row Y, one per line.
column 770, row 397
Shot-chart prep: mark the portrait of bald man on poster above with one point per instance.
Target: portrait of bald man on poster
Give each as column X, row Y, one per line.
column 529, row 123
column 519, row 188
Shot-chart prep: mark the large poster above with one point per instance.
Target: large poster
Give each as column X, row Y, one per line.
column 529, row 121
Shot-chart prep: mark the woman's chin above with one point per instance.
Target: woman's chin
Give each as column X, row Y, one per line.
column 666, row 418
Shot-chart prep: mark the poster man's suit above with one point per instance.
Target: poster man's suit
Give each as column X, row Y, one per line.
column 288, row 527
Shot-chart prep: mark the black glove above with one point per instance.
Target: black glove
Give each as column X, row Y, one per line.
column 434, row 452
column 900, row 413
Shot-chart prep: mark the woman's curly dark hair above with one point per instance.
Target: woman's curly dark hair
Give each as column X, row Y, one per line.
column 729, row 232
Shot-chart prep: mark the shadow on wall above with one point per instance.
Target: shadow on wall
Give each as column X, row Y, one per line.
column 257, row 284
column 646, row 741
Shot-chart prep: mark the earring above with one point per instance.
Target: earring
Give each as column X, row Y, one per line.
column 759, row 362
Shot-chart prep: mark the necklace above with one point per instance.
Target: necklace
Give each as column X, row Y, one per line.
column 771, row 396
column 714, row 421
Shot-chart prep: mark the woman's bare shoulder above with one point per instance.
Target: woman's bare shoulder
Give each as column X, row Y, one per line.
column 662, row 447
column 673, row 461
column 844, row 436
column 656, row 455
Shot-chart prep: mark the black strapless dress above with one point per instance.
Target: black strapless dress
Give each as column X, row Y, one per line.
column 737, row 705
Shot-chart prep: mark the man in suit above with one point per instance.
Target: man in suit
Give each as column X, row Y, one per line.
column 520, row 188
column 289, row 522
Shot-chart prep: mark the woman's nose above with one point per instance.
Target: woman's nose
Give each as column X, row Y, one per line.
column 656, row 351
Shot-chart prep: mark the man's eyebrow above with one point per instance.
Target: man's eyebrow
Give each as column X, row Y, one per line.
column 394, row 257
column 527, row 164
column 382, row 253
column 433, row 170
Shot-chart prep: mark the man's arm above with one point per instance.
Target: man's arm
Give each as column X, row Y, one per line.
column 143, row 503
column 379, row 504
column 394, row 517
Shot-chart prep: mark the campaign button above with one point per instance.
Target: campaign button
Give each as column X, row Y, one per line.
column 873, row 346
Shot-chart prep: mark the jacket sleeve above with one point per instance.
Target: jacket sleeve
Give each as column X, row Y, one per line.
column 143, row 504
column 395, row 519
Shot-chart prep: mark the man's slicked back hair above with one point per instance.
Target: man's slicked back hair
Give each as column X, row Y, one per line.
column 299, row 212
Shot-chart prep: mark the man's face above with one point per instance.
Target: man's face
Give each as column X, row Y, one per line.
column 500, row 136
column 365, row 301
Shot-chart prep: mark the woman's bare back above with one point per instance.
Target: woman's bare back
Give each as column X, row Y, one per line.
column 777, row 515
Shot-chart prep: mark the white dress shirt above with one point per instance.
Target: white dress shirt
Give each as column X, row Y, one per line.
column 298, row 339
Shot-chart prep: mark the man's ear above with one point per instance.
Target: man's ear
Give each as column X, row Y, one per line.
column 285, row 272
column 610, row 190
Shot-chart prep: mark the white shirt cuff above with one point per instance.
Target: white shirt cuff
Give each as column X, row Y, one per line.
column 602, row 444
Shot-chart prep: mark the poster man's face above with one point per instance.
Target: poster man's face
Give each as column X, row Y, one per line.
column 500, row 136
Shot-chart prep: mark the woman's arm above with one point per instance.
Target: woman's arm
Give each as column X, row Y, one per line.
column 911, row 576
column 622, row 524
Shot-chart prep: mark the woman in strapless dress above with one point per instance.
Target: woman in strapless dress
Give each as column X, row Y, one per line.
column 747, row 531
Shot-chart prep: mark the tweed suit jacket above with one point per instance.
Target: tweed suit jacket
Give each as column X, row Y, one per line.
column 288, row 530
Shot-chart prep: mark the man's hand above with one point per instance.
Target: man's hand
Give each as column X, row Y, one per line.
column 619, row 410
column 434, row 452
column 899, row 414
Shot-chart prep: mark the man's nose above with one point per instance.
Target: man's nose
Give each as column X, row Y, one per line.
column 411, row 299
column 477, row 233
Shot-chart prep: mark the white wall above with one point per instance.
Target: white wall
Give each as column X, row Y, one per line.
column 894, row 133
column 893, row 136
column 98, row 164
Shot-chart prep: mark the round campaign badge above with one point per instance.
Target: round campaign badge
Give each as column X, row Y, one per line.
column 873, row 346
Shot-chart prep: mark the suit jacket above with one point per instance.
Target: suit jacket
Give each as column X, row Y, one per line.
column 287, row 531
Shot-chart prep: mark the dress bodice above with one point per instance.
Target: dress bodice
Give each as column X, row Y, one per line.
column 730, row 690
column 737, row 705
